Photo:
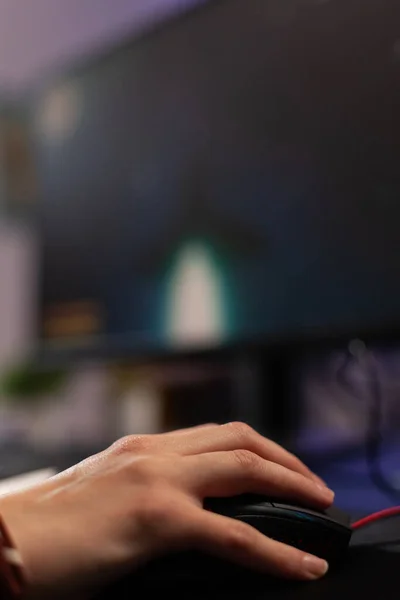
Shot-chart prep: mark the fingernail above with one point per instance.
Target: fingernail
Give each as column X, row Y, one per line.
column 314, row 567
column 327, row 492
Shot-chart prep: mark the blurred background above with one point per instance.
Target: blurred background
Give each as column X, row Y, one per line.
column 199, row 209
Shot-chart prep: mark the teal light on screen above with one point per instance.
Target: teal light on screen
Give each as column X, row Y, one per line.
column 197, row 304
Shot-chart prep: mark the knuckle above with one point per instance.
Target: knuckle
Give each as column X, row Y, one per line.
column 240, row 536
column 242, row 431
column 133, row 444
column 247, row 460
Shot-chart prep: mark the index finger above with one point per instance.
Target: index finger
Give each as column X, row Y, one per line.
column 229, row 437
column 222, row 474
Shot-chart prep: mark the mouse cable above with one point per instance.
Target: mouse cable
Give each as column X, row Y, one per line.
column 379, row 516
column 374, row 437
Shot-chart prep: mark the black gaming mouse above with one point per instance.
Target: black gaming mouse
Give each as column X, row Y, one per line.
column 325, row 534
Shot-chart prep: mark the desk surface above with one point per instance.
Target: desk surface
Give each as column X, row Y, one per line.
column 368, row 571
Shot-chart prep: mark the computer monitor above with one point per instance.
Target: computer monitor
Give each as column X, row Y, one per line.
column 230, row 176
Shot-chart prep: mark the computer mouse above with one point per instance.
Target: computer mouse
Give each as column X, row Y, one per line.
column 323, row 533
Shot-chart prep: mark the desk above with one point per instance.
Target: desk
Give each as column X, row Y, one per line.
column 368, row 572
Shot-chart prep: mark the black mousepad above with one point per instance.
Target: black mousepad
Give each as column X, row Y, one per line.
column 367, row 571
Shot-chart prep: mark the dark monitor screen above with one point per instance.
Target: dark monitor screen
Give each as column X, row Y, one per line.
column 233, row 174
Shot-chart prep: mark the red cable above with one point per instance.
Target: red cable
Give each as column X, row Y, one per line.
column 383, row 514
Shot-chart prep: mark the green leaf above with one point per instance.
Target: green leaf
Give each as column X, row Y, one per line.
column 28, row 383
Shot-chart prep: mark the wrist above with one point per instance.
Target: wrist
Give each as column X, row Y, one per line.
column 12, row 525
column 13, row 581
column 51, row 558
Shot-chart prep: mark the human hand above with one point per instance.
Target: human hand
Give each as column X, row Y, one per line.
column 143, row 497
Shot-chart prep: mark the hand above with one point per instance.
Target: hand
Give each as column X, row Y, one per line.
column 143, row 497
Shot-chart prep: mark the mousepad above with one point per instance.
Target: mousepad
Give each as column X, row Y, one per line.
column 366, row 571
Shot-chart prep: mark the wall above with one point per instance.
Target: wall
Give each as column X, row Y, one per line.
column 35, row 36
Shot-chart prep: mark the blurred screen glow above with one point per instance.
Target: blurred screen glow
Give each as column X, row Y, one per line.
column 195, row 309
column 267, row 128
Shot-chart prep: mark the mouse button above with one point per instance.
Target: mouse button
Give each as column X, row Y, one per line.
column 322, row 516
column 247, row 500
column 258, row 510
column 274, row 528
column 237, row 505
column 301, row 510
column 298, row 508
